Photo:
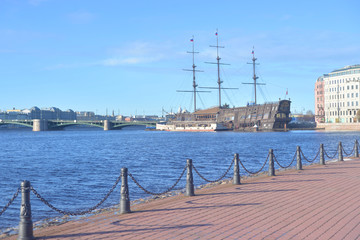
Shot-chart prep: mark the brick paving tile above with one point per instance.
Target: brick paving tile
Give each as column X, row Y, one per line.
column 320, row 202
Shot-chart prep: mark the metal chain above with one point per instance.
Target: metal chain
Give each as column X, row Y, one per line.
column 226, row 172
column 256, row 171
column 329, row 156
column 75, row 213
column 154, row 193
column 310, row 161
column 285, row 166
column 10, row 202
column 349, row 153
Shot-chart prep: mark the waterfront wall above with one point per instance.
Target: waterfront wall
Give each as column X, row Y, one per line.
column 339, row 126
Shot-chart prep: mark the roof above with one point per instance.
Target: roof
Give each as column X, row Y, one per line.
column 356, row 66
column 208, row 111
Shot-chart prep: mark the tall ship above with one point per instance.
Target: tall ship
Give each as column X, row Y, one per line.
column 269, row 116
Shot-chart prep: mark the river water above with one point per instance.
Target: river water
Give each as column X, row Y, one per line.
column 74, row 169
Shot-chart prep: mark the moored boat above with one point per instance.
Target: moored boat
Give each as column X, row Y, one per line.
column 270, row 116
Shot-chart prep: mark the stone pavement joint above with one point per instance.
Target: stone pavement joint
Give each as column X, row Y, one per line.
column 319, row 202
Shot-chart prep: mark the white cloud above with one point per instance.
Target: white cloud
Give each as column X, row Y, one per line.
column 137, row 53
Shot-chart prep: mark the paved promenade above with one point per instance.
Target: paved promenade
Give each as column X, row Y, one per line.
column 320, row 202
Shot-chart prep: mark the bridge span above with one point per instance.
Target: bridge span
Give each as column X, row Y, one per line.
column 45, row 125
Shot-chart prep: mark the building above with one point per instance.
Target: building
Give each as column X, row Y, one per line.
column 36, row 113
column 342, row 94
column 319, row 100
column 85, row 116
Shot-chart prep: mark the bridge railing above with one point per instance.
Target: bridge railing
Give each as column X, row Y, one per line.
column 26, row 225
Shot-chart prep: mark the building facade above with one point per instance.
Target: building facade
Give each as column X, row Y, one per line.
column 342, row 95
column 37, row 113
column 319, row 100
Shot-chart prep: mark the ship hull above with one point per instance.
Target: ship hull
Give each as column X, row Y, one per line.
column 261, row 117
column 190, row 126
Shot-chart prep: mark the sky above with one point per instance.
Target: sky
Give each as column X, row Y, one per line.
column 128, row 56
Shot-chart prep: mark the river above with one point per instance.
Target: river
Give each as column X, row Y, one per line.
column 73, row 169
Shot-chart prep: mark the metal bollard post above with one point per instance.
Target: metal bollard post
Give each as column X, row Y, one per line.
column 322, row 158
column 356, row 154
column 298, row 159
column 26, row 224
column 271, row 163
column 189, row 179
column 236, row 179
column 124, row 193
column 340, row 151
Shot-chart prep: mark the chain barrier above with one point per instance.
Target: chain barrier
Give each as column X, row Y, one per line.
column 329, row 156
column 76, row 213
column 154, row 193
column 89, row 210
column 220, row 178
column 10, row 202
column 349, row 154
column 256, row 171
column 285, row 166
column 310, row 161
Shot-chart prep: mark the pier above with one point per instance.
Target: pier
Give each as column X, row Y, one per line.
column 320, row 202
column 317, row 201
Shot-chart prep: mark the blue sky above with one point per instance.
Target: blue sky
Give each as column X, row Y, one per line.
column 128, row 56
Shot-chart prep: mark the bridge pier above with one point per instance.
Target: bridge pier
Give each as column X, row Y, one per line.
column 40, row 125
column 107, row 125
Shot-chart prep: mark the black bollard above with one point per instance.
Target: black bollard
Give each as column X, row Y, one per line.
column 189, row 179
column 124, row 193
column 236, row 179
column 356, row 154
column 340, row 151
column 298, row 159
column 322, row 158
column 271, row 163
column 26, row 224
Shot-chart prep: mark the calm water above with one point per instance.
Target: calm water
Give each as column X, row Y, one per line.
column 75, row 168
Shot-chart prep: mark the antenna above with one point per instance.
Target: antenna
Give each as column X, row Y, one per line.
column 193, row 70
column 254, row 76
column 218, row 67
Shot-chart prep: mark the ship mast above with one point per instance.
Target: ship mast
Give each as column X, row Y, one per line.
column 219, row 82
column 218, row 64
column 193, row 70
column 194, row 91
column 254, row 74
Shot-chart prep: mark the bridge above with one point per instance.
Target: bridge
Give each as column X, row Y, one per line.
column 45, row 125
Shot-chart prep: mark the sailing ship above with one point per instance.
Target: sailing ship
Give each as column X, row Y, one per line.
column 270, row 116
